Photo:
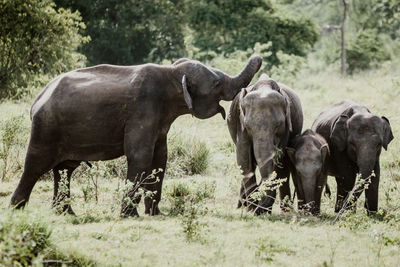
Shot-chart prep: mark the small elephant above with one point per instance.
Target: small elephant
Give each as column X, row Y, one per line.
column 355, row 137
column 261, row 121
column 308, row 153
column 106, row 111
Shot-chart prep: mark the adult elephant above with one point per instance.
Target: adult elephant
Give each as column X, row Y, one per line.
column 262, row 119
column 106, row 111
column 355, row 137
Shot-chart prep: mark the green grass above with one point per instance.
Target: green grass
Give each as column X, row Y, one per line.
column 228, row 236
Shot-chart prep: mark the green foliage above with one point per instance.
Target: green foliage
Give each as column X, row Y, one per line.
column 22, row 239
column 288, row 68
column 187, row 157
column 226, row 25
column 35, row 38
column 179, row 194
column 365, row 50
column 9, row 138
column 131, row 31
column 381, row 15
column 186, row 201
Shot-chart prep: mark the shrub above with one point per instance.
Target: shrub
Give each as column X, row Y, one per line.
column 9, row 139
column 25, row 241
column 187, row 202
column 22, row 239
column 35, row 38
column 187, row 157
column 365, row 50
column 179, row 193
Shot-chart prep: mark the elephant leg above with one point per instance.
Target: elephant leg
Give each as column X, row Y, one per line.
column 371, row 193
column 248, row 186
column 318, row 193
column 344, row 187
column 340, row 193
column 298, row 190
column 246, row 161
column 284, row 189
column 266, row 202
column 139, row 149
column 60, row 199
column 38, row 161
column 155, row 184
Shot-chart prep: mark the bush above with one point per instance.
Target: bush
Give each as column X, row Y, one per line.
column 187, row 157
column 25, row 241
column 365, row 50
column 35, row 38
column 180, row 193
column 186, row 202
column 9, row 157
column 22, row 240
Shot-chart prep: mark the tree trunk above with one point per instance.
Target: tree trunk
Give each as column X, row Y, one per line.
column 343, row 43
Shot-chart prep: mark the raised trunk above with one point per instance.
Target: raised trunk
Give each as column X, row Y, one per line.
column 234, row 84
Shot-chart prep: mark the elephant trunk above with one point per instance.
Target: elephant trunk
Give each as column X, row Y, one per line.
column 235, row 84
column 264, row 154
column 366, row 162
column 309, row 188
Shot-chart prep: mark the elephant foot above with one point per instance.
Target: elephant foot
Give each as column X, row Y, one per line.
column 153, row 211
column 17, row 202
column 67, row 209
column 286, row 206
column 129, row 211
column 262, row 210
column 249, row 203
column 264, row 205
column 151, row 207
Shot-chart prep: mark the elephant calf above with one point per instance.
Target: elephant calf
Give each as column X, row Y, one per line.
column 355, row 137
column 262, row 118
column 308, row 153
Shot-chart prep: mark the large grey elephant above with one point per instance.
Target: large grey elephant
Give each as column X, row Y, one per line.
column 355, row 137
column 106, row 111
column 261, row 121
column 308, row 153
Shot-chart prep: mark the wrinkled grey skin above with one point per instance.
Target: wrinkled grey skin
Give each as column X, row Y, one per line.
column 106, row 111
column 355, row 137
column 308, row 153
column 263, row 117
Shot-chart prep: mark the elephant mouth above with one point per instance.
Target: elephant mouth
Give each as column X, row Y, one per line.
column 221, row 110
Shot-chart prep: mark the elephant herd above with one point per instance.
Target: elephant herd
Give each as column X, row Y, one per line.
column 106, row 111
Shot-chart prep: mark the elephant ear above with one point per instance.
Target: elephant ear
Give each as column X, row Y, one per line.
column 339, row 132
column 291, row 153
column 186, row 95
column 387, row 132
column 243, row 93
column 288, row 115
column 324, row 151
column 181, row 60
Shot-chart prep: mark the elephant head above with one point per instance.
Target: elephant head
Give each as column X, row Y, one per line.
column 204, row 87
column 361, row 135
column 308, row 153
column 265, row 118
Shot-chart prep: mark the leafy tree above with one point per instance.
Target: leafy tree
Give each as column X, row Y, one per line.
column 130, row 32
column 223, row 26
column 365, row 50
column 35, row 38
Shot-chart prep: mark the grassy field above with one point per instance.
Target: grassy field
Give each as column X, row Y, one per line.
column 211, row 230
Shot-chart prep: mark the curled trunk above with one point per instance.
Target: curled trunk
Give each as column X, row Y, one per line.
column 234, row 84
